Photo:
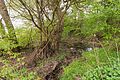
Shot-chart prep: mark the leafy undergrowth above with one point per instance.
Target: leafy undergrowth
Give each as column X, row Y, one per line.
column 107, row 72
column 92, row 64
column 11, row 72
column 10, row 68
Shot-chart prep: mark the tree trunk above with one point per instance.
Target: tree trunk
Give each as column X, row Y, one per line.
column 57, row 34
column 7, row 20
column 2, row 30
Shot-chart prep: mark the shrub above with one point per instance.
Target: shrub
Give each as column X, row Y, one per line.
column 7, row 45
column 28, row 36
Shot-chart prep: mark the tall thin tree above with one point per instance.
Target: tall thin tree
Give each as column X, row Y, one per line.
column 2, row 29
column 8, row 22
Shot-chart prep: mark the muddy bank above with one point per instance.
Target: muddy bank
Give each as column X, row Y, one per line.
column 53, row 70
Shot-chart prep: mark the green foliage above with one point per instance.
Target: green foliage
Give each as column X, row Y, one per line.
column 67, row 29
column 71, row 71
column 102, row 18
column 89, row 61
column 87, row 19
column 7, row 44
column 27, row 36
column 73, row 21
column 11, row 72
column 104, row 72
column 94, row 23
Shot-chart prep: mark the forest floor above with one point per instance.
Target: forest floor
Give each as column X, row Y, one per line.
column 48, row 69
column 52, row 68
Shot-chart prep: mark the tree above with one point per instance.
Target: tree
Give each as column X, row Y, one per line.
column 48, row 17
column 2, row 29
column 7, row 20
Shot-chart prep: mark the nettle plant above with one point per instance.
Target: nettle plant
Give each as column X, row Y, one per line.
column 106, row 72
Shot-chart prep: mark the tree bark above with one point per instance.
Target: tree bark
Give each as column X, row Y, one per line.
column 7, row 20
column 57, row 34
column 2, row 29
